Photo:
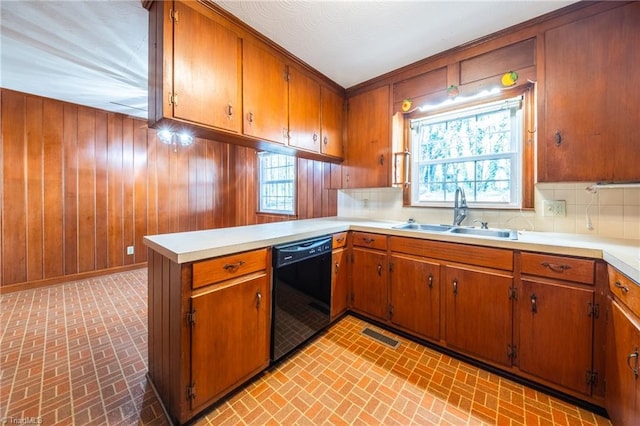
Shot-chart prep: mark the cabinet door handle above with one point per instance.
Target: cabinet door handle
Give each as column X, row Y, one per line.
column 232, row 267
column 534, row 304
column 455, row 287
column 337, row 267
column 555, row 267
column 381, row 159
column 325, row 140
column 634, row 354
column 229, row 110
column 430, row 281
column 558, row 137
column 315, row 137
column 258, row 299
column 379, row 269
column 250, row 118
column 624, row 288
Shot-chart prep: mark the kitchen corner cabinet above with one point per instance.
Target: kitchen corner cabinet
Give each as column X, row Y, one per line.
column 590, row 110
column 623, row 346
column 557, row 313
column 265, row 94
column 368, row 146
column 209, row 328
column 201, row 69
column 370, row 278
column 339, row 276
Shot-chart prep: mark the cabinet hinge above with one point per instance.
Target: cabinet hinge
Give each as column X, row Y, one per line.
column 593, row 310
column 512, row 351
column 191, row 317
column 173, row 15
column 513, row 293
column 591, row 378
column 173, row 99
column 191, row 391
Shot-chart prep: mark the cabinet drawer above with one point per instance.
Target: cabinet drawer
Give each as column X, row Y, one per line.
column 560, row 267
column 227, row 267
column 339, row 240
column 626, row 290
column 375, row 241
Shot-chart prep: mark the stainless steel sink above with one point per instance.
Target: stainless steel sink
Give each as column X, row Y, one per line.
column 424, row 227
column 462, row 230
column 496, row 233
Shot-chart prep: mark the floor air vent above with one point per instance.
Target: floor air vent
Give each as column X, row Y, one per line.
column 386, row 340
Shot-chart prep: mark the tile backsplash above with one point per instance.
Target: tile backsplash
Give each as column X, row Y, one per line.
column 610, row 212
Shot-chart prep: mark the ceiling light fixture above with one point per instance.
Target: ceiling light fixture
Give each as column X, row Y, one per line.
column 168, row 137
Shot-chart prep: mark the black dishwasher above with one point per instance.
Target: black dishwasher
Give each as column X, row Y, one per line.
column 301, row 293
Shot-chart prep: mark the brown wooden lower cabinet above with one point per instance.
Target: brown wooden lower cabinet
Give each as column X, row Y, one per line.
column 339, row 282
column 556, row 334
column 369, row 287
column 415, row 295
column 209, row 328
column 479, row 312
column 623, row 350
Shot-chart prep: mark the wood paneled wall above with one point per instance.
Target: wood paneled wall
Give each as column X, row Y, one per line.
column 80, row 185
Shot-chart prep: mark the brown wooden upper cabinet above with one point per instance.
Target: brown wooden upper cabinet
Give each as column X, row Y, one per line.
column 264, row 78
column 368, row 145
column 590, row 110
column 215, row 77
column 332, row 116
column 304, row 111
column 201, row 67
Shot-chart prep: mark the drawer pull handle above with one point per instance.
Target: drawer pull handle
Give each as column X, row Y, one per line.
column 340, row 240
column 232, row 267
column 368, row 240
column 555, row 267
column 634, row 354
column 430, row 280
column 624, row 288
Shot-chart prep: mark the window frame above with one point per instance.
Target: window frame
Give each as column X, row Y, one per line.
column 261, row 184
column 527, row 149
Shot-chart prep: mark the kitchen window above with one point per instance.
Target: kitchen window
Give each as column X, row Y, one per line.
column 478, row 148
column 277, row 177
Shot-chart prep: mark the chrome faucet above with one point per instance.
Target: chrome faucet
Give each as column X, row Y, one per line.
column 459, row 206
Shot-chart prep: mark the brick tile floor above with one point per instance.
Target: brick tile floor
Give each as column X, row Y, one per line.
column 76, row 354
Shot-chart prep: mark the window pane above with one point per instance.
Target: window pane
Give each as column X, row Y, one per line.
column 474, row 148
column 277, row 183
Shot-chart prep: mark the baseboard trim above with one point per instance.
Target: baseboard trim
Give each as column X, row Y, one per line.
column 68, row 278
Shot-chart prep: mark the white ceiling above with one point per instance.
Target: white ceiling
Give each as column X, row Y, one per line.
column 95, row 52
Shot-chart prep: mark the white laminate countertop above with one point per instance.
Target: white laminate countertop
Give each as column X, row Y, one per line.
column 184, row 247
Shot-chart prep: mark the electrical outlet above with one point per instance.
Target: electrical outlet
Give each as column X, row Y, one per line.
column 365, row 203
column 555, row 208
column 129, row 250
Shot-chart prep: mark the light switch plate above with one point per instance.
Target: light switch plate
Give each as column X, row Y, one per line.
column 555, row 208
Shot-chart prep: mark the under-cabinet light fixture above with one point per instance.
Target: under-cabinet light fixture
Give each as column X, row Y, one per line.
column 168, row 137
